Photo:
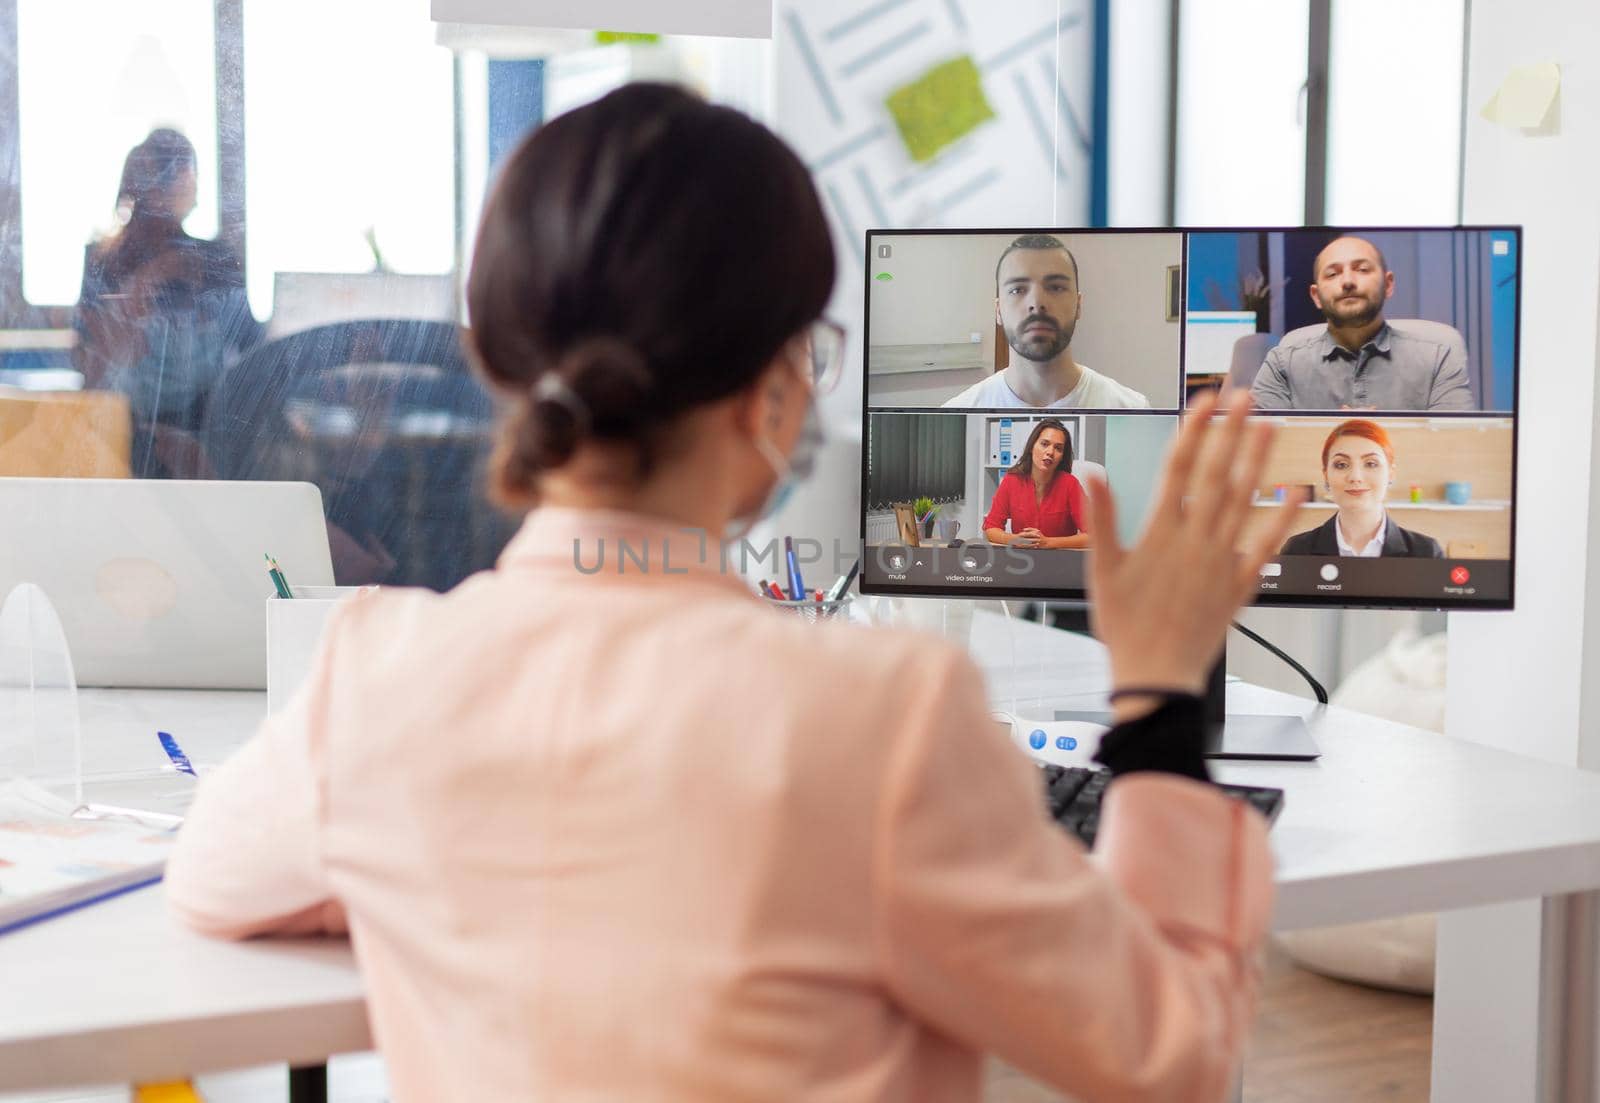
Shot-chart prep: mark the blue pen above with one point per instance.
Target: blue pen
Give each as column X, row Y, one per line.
column 797, row 585
column 175, row 752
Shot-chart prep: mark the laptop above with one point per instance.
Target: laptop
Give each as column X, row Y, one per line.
column 161, row 582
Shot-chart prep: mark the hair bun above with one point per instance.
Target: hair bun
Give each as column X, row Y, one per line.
column 599, row 390
column 604, row 384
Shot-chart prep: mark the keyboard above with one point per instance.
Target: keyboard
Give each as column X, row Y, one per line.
column 1073, row 795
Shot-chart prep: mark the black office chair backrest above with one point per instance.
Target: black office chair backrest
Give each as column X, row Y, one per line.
column 386, row 418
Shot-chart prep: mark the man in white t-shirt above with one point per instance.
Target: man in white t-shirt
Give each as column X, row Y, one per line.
column 1037, row 303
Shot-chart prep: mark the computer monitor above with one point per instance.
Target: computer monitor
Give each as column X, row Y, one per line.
column 980, row 343
column 1387, row 356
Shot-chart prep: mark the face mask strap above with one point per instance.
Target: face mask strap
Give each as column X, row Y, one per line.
column 787, row 474
column 775, row 459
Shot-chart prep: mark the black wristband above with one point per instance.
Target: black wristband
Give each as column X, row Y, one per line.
column 1160, row 693
column 1169, row 739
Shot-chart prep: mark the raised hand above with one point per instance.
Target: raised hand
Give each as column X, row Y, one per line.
column 1162, row 606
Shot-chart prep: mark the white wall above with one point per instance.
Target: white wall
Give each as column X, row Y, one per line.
column 1546, row 183
column 1134, row 450
column 1123, row 331
column 1525, row 680
column 923, row 388
column 942, row 293
column 942, row 290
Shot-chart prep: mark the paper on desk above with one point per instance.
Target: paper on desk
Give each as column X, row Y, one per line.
column 50, row 860
column 1525, row 97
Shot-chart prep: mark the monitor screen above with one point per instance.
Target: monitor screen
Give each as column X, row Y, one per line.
column 1005, row 366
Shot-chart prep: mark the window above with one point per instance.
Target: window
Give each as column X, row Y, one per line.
column 85, row 100
column 349, row 134
column 1394, row 111
column 1392, row 143
column 1241, row 116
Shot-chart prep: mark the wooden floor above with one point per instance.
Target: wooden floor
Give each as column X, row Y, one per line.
column 1315, row 1041
column 1319, row 1041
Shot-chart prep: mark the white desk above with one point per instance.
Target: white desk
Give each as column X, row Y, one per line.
column 117, row 992
column 1391, row 820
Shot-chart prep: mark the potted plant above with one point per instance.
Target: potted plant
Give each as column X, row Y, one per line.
column 1255, row 294
column 925, row 510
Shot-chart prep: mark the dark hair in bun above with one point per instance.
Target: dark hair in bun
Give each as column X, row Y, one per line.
column 638, row 257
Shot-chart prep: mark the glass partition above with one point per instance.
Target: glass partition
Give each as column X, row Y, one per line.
column 249, row 223
column 310, row 336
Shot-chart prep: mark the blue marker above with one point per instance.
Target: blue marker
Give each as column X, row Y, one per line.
column 797, row 586
column 175, row 752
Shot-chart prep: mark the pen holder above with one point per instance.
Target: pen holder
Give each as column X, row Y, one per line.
column 294, row 629
column 814, row 610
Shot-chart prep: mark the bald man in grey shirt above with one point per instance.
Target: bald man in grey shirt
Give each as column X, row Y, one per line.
column 1360, row 361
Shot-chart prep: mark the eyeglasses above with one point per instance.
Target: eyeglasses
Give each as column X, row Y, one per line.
column 826, row 342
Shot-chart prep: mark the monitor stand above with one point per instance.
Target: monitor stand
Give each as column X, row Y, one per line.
column 1236, row 735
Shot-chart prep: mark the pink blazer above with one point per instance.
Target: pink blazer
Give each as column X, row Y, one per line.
column 604, row 836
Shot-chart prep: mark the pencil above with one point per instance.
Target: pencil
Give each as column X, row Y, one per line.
column 279, row 583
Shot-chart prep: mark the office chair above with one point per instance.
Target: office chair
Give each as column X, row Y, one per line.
column 385, row 417
column 1248, row 353
column 1081, row 469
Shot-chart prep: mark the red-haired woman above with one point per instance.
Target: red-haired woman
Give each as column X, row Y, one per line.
column 1357, row 468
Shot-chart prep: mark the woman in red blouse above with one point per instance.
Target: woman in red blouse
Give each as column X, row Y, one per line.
column 1039, row 495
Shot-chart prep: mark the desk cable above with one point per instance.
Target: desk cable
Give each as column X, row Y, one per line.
column 1316, row 686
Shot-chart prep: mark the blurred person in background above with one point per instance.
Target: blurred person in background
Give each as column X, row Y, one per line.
column 161, row 313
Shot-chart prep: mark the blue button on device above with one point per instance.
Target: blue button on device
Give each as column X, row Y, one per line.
column 1036, row 740
column 1066, row 743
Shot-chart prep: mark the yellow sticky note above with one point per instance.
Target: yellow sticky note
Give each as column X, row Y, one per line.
column 1525, row 97
column 940, row 107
